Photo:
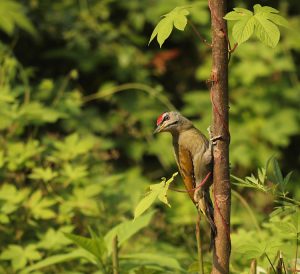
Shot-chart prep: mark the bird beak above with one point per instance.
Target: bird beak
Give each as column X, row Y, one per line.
column 158, row 129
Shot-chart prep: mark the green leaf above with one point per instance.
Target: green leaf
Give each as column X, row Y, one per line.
column 243, row 29
column 12, row 15
column 277, row 172
column 267, row 9
column 156, row 191
column 243, row 11
column 44, row 174
column 263, row 22
column 177, row 18
column 162, row 196
column 278, row 20
column 266, row 31
column 55, row 259
column 40, row 207
column 164, row 29
column 287, row 177
column 238, row 15
column 154, row 259
column 14, row 253
column 180, row 19
column 233, row 16
column 127, row 229
column 145, row 203
column 95, row 246
column 19, row 255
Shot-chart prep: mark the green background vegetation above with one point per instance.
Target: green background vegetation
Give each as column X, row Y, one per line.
column 80, row 91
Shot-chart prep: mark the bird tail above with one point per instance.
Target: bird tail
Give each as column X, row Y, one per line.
column 206, row 207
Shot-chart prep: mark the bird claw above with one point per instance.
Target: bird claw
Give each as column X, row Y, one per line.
column 197, row 196
column 213, row 139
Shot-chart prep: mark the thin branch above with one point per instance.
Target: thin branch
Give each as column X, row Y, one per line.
column 253, row 266
column 297, row 243
column 115, row 258
column 247, row 207
column 197, row 33
column 129, row 86
column 270, row 263
column 199, row 245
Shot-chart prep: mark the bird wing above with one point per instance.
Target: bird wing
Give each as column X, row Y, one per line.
column 186, row 168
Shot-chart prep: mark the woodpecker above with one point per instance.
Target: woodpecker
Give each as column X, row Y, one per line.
column 193, row 154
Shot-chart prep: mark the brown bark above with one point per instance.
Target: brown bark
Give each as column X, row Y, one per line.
column 219, row 95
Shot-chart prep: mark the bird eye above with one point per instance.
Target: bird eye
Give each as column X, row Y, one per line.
column 166, row 118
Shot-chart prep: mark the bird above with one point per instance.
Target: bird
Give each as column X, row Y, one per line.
column 193, row 154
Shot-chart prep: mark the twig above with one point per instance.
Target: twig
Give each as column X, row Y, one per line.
column 270, row 263
column 199, row 35
column 247, row 207
column 199, row 245
column 115, row 259
column 253, row 266
column 129, row 86
column 194, row 188
column 296, row 252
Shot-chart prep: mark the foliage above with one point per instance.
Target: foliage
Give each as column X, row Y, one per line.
column 157, row 191
column 263, row 21
column 176, row 17
column 78, row 106
column 277, row 235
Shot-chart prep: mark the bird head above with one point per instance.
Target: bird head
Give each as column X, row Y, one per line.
column 171, row 122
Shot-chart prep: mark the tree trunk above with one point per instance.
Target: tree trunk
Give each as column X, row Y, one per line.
column 219, row 96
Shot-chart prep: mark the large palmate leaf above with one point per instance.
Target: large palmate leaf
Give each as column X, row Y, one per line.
column 176, row 18
column 262, row 22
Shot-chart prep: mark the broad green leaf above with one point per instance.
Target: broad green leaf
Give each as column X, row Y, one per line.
column 73, row 146
column 156, row 191
column 243, row 11
column 12, row 15
column 10, row 194
column 162, row 196
column 75, row 172
column 127, row 229
column 266, row 31
column 14, row 253
column 267, row 9
column 278, row 20
column 144, row 204
column 180, row 19
column 177, row 18
column 40, row 206
column 262, row 22
column 44, row 174
column 165, row 27
column 88, row 244
column 56, row 259
column 154, row 259
column 243, row 29
column 237, row 15
column 55, row 239
column 19, row 256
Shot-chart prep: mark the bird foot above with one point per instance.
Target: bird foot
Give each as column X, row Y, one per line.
column 198, row 196
column 213, row 139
